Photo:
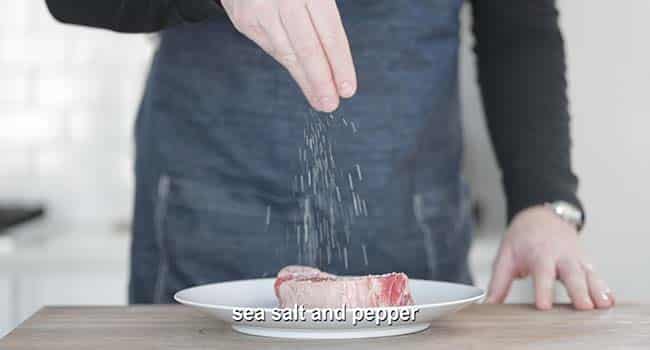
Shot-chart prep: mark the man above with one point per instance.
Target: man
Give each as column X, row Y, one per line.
column 221, row 122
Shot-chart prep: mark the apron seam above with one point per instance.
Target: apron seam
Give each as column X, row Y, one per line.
column 159, row 217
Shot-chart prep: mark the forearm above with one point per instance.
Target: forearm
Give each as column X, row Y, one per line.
column 522, row 69
column 132, row 16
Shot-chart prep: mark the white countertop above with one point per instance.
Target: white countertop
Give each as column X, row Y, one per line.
column 48, row 244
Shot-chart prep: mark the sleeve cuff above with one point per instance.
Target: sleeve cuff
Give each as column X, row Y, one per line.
column 525, row 195
column 198, row 10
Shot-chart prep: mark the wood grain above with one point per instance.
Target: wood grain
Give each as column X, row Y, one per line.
column 477, row 327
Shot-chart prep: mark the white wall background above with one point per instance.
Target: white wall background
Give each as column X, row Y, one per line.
column 67, row 100
column 68, row 97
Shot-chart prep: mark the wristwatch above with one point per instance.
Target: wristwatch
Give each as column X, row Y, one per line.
column 568, row 212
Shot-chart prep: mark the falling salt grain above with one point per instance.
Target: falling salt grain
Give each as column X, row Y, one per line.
column 364, row 208
column 355, row 203
column 268, row 215
column 347, row 233
column 365, row 254
column 358, row 172
column 307, row 219
column 306, row 237
column 298, row 235
column 329, row 255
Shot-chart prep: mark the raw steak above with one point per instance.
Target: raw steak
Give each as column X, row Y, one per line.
column 308, row 286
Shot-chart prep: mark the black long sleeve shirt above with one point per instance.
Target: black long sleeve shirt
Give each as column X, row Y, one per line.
column 521, row 63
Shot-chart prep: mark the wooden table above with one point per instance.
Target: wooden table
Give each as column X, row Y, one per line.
column 477, row 327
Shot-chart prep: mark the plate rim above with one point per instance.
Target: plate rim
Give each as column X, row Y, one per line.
column 472, row 299
column 332, row 334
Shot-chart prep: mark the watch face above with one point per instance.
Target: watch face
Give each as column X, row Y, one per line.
column 568, row 212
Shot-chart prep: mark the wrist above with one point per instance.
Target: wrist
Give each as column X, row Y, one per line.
column 540, row 217
column 567, row 212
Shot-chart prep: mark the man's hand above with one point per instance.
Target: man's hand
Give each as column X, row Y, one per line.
column 540, row 244
column 305, row 36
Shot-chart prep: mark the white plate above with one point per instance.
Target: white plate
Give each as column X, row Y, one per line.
column 434, row 299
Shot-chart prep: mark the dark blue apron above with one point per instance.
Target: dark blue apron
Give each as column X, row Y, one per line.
column 218, row 135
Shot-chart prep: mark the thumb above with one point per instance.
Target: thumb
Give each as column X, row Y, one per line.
column 502, row 276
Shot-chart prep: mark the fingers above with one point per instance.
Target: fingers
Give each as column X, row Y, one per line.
column 327, row 21
column 308, row 38
column 544, row 278
column 311, row 56
column 502, row 276
column 255, row 31
column 282, row 51
column 600, row 294
column 575, row 281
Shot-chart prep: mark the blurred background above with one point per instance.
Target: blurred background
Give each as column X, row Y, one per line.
column 68, row 98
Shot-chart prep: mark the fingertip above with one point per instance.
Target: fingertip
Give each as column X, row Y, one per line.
column 503, row 274
column 607, row 293
column 583, row 305
column 493, row 293
column 347, row 89
column 544, row 305
column 602, row 304
column 328, row 104
column 612, row 298
column 601, row 295
column 543, row 279
column 495, row 297
column 605, row 300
